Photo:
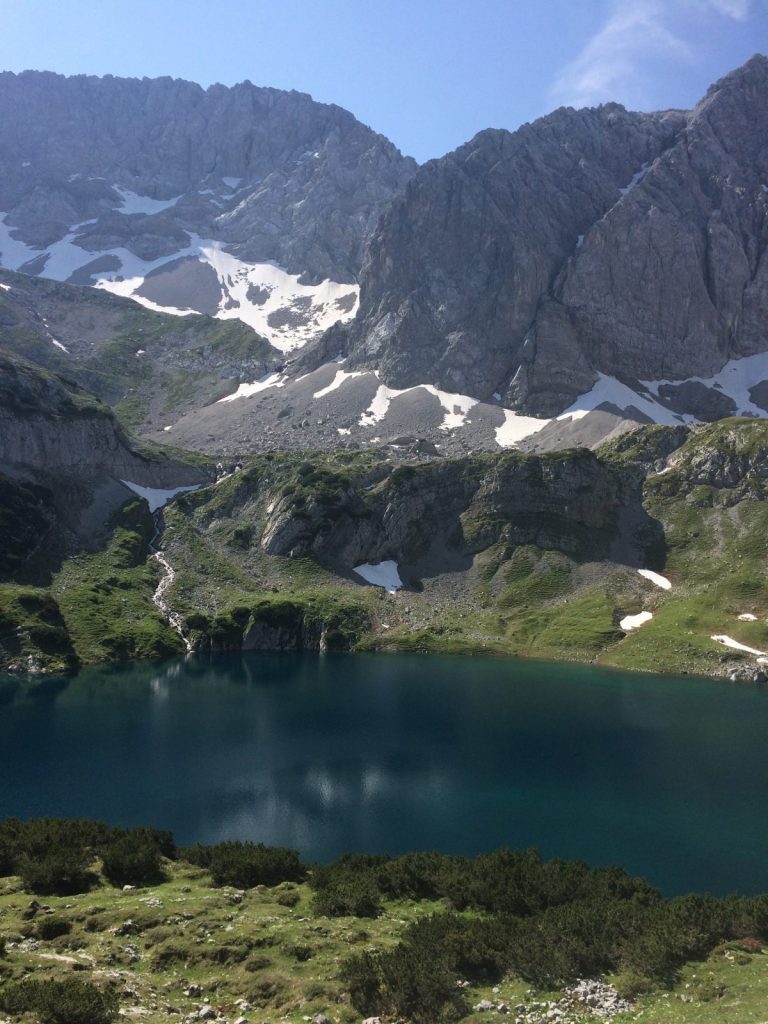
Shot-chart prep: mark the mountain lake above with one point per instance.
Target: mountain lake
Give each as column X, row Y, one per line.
column 667, row 776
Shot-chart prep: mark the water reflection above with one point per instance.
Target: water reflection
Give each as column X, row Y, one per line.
column 395, row 753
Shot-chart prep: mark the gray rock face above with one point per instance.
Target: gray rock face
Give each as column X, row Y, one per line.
column 273, row 174
column 568, row 505
column 56, row 436
column 592, row 240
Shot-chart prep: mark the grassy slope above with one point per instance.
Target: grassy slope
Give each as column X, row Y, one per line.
column 513, row 600
column 284, row 961
column 97, row 608
column 535, row 604
column 106, row 598
column 185, row 359
column 716, row 560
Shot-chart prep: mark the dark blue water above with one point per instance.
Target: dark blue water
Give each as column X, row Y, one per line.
column 667, row 776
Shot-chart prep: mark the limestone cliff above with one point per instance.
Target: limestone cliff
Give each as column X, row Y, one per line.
column 590, row 241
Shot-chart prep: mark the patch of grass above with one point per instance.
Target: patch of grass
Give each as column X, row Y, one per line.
column 33, row 633
column 580, row 628
column 106, row 597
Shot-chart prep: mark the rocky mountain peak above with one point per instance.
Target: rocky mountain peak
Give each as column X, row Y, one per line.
column 599, row 241
column 236, row 202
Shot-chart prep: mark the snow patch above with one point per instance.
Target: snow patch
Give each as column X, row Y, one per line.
column 630, row 622
column 157, row 497
column 455, row 407
column 747, row 617
column 384, row 574
column 579, row 242
column 13, row 252
column 5, row 287
column 272, row 380
column 656, row 578
column 232, row 182
column 516, row 427
column 608, row 389
column 728, row 641
column 338, row 380
column 734, row 379
column 51, row 338
column 637, row 177
column 292, row 314
column 379, row 406
column 132, row 202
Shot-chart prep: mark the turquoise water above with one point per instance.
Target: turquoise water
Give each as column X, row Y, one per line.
column 667, row 776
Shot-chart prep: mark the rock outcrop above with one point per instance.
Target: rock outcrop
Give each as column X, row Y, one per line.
column 273, row 174
column 590, row 241
column 63, row 457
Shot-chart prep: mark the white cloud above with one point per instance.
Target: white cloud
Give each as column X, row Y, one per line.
column 738, row 9
column 611, row 65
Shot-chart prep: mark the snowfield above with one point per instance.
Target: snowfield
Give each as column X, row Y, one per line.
column 156, row 497
column 272, row 380
column 656, row 578
column 383, row 574
column 262, row 295
column 630, row 622
column 728, row 641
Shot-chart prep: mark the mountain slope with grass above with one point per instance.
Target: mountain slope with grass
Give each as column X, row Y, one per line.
column 97, row 920
column 150, row 367
column 636, row 556
column 647, row 554
column 75, row 580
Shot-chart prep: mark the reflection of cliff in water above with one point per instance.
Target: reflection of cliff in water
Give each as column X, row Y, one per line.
column 137, row 681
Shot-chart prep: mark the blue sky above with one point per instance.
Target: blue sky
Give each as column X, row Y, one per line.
column 426, row 73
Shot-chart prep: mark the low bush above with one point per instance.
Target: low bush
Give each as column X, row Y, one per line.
column 407, row 981
column 133, row 859
column 245, row 865
column 55, row 856
column 266, row 990
column 60, row 872
column 61, row 1002
column 52, row 927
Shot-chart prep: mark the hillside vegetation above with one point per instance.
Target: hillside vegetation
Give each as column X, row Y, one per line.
column 94, row 919
column 525, row 555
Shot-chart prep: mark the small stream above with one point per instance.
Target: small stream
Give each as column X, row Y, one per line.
column 159, row 598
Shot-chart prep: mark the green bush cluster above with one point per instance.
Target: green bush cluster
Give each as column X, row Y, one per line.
column 417, row 978
column 56, row 857
column 133, row 858
column 52, row 928
column 60, row 1002
column 245, row 865
column 547, row 922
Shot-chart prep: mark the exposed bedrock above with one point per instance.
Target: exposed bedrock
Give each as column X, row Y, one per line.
column 590, row 240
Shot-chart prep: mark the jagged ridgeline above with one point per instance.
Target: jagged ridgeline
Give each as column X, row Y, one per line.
column 542, row 287
column 421, row 937
column 646, row 553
